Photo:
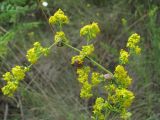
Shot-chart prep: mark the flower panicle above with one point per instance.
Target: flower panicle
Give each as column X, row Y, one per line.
column 59, row 18
column 133, row 42
column 12, row 79
column 34, row 53
column 124, row 55
column 90, row 31
column 83, row 74
column 60, row 38
column 121, row 76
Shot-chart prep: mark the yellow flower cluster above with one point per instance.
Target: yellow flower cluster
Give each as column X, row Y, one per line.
column 122, row 96
column 59, row 18
column 10, row 88
column 60, row 37
column 119, row 98
column 7, row 76
column 86, row 90
column 18, row 73
column 132, row 43
column 110, row 88
column 123, row 56
column 122, row 79
column 98, row 108
column 86, row 51
column 90, row 31
column 34, row 53
column 83, row 74
column 12, row 79
column 77, row 59
column 96, row 78
column 83, row 79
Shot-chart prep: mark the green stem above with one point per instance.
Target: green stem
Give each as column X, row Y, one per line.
column 107, row 115
column 72, row 47
column 51, row 46
column 93, row 61
column 60, row 26
column 100, row 66
column 30, row 66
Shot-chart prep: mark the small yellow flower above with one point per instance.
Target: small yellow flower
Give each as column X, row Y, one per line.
column 86, row 90
column 34, row 53
column 90, row 31
column 132, row 43
column 98, row 108
column 96, row 78
column 10, row 88
column 60, row 37
column 32, row 56
column 12, row 80
column 83, row 74
column 7, row 77
column 124, row 96
column 121, row 97
column 99, row 104
column 121, row 76
column 87, row 50
column 37, row 45
column 77, row 59
column 110, row 88
column 59, row 18
column 133, row 39
column 18, row 73
column 123, row 56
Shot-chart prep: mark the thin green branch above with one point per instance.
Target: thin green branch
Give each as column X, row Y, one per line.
column 100, row 66
column 93, row 61
column 51, row 46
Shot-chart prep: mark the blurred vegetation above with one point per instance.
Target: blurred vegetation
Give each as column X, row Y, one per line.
column 50, row 91
column 16, row 17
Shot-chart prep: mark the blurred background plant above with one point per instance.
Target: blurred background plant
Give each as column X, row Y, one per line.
column 51, row 91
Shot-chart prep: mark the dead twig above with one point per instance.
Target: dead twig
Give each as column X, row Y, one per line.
column 21, row 108
column 2, row 29
column 6, row 112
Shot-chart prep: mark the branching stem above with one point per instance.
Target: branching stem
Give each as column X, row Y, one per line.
column 93, row 61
